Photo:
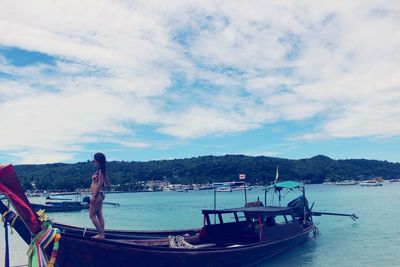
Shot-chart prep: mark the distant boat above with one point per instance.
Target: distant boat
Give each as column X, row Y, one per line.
column 62, row 204
column 230, row 186
column 51, row 208
column 206, row 187
column 347, row 182
column 182, row 190
column 394, row 180
column 34, row 194
column 224, row 189
column 371, row 183
column 241, row 188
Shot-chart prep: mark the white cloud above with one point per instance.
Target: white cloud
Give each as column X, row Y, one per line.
column 242, row 65
column 199, row 121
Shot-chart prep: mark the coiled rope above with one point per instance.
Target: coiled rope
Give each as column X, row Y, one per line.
column 179, row 242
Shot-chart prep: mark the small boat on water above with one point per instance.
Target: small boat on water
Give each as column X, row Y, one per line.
column 54, row 204
column 52, row 208
column 223, row 189
column 231, row 186
column 240, row 236
column 371, row 183
column 185, row 190
column 62, row 205
column 346, row 182
column 394, row 180
column 242, row 188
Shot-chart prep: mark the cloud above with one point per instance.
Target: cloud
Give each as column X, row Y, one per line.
column 192, row 69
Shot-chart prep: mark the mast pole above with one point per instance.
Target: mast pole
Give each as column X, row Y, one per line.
column 265, row 196
column 245, row 194
column 279, row 197
column 7, row 252
column 215, row 203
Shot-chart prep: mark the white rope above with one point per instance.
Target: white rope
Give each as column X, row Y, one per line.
column 179, row 242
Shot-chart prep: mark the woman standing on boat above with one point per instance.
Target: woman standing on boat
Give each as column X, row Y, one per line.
column 99, row 182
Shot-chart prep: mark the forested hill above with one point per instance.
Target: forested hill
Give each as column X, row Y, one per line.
column 207, row 169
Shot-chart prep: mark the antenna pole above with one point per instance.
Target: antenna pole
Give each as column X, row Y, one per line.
column 245, row 194
column 215, row 203
column 279, row 197
column 265, row 196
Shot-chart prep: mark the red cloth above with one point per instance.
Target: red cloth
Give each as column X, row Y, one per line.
column 11, row 187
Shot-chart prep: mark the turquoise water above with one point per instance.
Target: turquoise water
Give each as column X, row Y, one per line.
column 373, row 240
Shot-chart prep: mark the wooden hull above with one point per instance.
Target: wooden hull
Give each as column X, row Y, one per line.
column 124, row 234
column 79, row 251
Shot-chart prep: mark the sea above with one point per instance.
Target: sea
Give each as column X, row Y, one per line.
column 372, row 240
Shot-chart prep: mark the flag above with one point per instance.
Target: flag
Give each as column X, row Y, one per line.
column 242, row 176
column 277, row 174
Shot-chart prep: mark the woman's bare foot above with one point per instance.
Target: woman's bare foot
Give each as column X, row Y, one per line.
column 98, row 236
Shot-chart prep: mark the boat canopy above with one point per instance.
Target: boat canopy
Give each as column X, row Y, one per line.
column 264, row 210
column 286, row 185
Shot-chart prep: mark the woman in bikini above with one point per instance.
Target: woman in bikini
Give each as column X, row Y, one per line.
column 99, row 182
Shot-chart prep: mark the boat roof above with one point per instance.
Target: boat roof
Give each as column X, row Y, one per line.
column 286, row 184
column 267, row 210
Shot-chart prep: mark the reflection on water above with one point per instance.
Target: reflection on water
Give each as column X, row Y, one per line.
column 299, row 256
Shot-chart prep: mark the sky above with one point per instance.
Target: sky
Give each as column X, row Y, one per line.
column 149, row 80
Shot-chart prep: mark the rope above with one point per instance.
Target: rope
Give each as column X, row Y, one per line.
column 179, row 242
column 315, row 231
column 287, row 192
column 8, row 216
column 3, row 216
column 13, row 222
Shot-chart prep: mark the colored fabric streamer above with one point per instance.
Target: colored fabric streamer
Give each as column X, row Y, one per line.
column 12, row 189
column 36, row 250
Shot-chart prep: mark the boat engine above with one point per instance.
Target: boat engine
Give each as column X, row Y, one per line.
column 300, row 206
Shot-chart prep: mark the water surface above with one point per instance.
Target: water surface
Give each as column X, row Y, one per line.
column 373, row 240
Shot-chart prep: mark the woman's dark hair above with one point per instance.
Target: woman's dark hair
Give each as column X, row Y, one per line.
column 101, row 159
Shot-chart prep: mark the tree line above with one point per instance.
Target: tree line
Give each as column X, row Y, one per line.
column 205, row 169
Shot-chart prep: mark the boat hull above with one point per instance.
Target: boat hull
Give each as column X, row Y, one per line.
column 124, row 234
column 113, row 253
column 371, row 184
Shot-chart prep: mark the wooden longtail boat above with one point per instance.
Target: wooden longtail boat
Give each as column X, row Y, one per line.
column 62, row 204
column 230, row 237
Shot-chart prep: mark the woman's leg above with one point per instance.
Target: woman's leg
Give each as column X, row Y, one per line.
column 101, row 218
column 93, row 209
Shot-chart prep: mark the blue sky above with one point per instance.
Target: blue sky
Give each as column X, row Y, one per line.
column 146, row 80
